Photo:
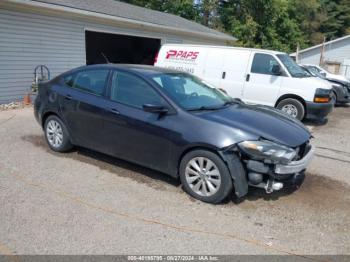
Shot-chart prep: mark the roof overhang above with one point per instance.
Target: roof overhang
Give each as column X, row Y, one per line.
column 320, row 45
column 30, row 5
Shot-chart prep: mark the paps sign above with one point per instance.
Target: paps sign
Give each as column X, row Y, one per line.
column 181, row 54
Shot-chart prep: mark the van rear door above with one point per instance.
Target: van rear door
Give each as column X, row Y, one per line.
column 261, row 84
column 235, row 67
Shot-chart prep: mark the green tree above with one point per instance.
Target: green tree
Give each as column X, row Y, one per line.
column 337, row 23
column 271, row 24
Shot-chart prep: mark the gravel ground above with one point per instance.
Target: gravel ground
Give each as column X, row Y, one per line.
column 88, row 203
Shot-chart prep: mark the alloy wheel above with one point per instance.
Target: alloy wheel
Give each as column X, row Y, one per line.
column 203, row 176
column 54, row 133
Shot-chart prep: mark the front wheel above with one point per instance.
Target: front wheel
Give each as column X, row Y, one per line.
column 334, row 97
column 205, row 176
column 292, row 107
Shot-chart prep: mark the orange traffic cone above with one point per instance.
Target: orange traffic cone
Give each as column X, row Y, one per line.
column 26, row 99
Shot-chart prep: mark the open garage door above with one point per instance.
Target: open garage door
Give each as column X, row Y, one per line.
column 120, row 48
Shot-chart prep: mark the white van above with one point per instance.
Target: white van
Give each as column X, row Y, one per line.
column 253, row 75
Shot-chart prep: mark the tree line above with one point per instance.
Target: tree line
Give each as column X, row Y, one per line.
column 270, row 24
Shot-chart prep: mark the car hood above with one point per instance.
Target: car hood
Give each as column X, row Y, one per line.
column 343, row 82
column 262, row 122
column 339, row 78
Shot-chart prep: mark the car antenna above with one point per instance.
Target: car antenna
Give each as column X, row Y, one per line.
column 105, row 57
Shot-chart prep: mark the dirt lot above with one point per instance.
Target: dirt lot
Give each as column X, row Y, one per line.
column 88, row 203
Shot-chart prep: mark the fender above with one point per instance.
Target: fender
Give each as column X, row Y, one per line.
column 237, row 172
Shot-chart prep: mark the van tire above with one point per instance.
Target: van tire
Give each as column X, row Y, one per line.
column 293, row 107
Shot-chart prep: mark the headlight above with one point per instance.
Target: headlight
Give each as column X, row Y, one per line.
column 267, row 151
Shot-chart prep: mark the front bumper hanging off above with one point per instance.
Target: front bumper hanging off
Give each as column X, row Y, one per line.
column 277, row 176
column 296, row 166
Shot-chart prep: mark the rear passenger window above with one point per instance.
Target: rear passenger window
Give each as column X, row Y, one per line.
column 263, row 63
column 92, row 81
column 133, row 91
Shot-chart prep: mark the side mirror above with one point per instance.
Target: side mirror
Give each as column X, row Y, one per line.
column 323, row 74
column 276, row 70
column 152, row 108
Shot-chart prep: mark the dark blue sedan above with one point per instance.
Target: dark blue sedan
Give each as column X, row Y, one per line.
column 175, row 123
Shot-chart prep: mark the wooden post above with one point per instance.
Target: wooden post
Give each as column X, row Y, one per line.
column 322, row 51
column 297, row 53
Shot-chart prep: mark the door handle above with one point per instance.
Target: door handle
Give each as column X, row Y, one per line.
column 68, row 97
column 247, row 77
column 114, row 111
column 223, row 75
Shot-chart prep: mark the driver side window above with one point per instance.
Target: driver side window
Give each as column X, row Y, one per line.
column 263, row 64
column 133, row 91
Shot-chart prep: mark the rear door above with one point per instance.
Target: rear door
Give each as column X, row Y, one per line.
column 82, row 104
column 261, row 85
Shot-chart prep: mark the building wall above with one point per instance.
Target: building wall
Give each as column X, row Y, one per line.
column 335, row 52
column 30, row 39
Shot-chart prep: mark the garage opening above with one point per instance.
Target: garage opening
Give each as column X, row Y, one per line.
column 120, row 48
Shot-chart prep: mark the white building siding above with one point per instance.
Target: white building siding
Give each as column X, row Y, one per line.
column 29, row 39
column 334, row 52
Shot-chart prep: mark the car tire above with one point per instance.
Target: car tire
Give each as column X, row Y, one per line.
column 57, row 135
column 214, row 177
column 292, row 107
column 334, row 98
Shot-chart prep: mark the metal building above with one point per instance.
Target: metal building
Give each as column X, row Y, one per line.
column 63, row 34
column 336, row 55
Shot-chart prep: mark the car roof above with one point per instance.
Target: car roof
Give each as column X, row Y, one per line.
column 142, row 69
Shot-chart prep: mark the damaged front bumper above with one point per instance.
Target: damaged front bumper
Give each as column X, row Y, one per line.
column 269, row 176
column 273, row 177
column 296, row 166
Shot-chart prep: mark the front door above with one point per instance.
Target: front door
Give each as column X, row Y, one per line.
column 130, row 132
column 261, row 84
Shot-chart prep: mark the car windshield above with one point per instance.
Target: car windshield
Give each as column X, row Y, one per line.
column 293, row 68
column 314, row 71
column 307, row 71
column 191, row 93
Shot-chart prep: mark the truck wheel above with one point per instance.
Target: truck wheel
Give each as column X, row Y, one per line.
column 292, row 107
column 205, row 176
column 56, row 134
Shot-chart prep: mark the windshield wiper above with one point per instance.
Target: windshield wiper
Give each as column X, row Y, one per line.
column 204, row 108
column 301, row 75
column 233, row 101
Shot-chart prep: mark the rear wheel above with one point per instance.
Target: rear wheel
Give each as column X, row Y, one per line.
column 56, row 134
column 292, row 107
column 205, row 176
